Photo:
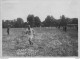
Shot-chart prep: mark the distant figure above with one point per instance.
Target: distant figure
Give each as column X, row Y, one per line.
column 65, row 28
column 8, row 28
column 30, row 33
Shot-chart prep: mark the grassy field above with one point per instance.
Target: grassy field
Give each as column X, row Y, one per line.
column 46, row 42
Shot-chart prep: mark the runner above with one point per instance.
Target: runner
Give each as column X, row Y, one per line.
column 30, row 33
column 8, row 28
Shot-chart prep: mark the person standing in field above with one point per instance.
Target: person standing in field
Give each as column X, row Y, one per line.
column 30, row 33
column 8, row 28
column 65, row 28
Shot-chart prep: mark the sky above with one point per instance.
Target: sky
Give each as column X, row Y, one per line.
column 12, row 9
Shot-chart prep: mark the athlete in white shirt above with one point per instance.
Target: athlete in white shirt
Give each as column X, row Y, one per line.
column 30, row 33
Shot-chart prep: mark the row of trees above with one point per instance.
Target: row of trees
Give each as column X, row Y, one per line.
column 34, row 21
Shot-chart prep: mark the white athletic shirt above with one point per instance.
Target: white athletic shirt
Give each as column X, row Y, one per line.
column 31, row 34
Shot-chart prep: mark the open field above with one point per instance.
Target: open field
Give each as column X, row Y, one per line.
column 46, row 42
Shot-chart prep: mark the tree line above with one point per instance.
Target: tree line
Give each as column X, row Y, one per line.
column 34, row 21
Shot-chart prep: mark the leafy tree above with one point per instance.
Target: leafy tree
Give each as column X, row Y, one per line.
column 63, row 21
column 16, row 23
column 19, row 22
column 49, row 21
column 37, row 21
column 75, row 21
column 58, row 23
column 54, row 21
column 7, row 22
column 30, row 20
column 25, row 24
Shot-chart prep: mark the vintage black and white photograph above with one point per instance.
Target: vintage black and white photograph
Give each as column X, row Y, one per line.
column 39, row 28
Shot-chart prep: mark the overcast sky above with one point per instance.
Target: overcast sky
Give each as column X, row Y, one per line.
column 12, row 9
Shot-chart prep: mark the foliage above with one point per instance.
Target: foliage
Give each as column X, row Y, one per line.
column 34, row 21
column 49, row 21
column 30, row 20
column 37, row 22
